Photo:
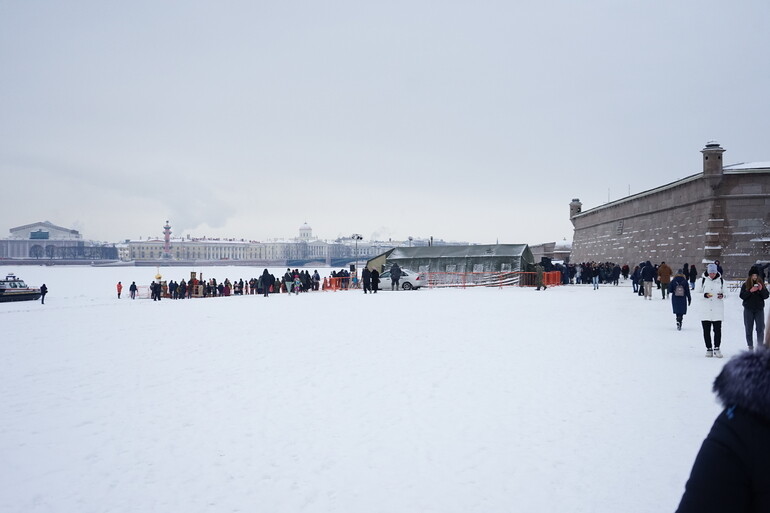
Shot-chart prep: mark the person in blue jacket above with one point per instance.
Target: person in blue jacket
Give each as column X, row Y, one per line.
column 679, row 290
column 732, row 469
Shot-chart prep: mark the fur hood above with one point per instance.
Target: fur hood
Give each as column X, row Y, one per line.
column 745, row 382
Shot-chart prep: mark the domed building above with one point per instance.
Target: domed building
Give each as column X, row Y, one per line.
column 305, row 233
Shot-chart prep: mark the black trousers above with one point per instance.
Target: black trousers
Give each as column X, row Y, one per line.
column 707, row 333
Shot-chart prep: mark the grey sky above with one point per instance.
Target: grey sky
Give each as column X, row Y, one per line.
column 474, row 121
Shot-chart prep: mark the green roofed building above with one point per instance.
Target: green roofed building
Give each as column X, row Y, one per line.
column 484, row 258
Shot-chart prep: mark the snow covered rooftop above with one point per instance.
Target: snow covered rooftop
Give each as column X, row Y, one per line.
column 747, row 165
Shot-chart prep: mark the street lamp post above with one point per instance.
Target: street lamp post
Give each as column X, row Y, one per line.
column 356, row 237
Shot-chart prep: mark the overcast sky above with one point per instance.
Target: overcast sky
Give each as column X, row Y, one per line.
column 469, row 121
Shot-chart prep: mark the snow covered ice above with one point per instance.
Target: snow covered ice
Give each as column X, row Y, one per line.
column 477, row 400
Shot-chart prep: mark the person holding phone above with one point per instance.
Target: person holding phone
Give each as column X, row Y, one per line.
column 753, row 293
column 713, row 310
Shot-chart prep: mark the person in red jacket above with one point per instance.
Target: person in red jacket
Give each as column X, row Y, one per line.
column 120, row 289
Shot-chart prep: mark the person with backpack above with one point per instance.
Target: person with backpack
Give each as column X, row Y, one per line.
column 713, row 311
column 679, row 290
column 753, row 293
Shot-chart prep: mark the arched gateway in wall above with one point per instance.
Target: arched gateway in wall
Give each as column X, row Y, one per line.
column 720, row 214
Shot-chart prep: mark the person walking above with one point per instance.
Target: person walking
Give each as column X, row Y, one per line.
column 648, row 276
column 595, row 276
column 693, row 276
column 366, row 277
column 679, row 290
column 664, row 276
column 732, row 468
column 636, row 277
column 375, row 277
column 713, row 310
column 43, row 292
column 753, row 293
column 539, row 277
column 132, row 290
column 120, row 289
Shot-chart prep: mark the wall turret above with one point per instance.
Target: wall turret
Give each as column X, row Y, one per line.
column 575, row 207
column 712, row 163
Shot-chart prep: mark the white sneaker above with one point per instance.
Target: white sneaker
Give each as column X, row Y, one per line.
column 717, row 353
column 709, row 353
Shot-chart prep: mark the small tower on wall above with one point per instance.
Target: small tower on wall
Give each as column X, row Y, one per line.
column 575, row 207
column 713, row 173
column 167, row 241
column 712, row 163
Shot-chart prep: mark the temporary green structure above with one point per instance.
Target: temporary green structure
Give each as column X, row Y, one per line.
column 458, row 259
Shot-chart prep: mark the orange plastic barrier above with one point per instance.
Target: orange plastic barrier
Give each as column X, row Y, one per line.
column 491, row 279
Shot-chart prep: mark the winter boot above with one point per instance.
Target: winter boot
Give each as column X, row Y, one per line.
column 717, row 352
column 709, row 353
column 678, row 325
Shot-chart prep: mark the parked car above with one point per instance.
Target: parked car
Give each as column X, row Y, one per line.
column 410, row 280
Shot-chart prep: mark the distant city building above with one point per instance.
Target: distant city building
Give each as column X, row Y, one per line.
column 554, row 251
column 297, row 251
column 45, row 240
column 720, row 214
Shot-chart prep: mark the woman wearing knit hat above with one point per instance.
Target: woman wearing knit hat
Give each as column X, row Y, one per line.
column 732, row 469
column 712, row 309
column 754, row 292
column 679, row 290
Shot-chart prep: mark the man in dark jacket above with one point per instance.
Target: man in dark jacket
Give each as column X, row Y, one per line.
column 395, row 276
column 732, row 469
column 648, row 276
column 366, row 277
column 375, row 277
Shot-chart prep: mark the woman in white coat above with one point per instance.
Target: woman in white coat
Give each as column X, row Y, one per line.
column 712, row 309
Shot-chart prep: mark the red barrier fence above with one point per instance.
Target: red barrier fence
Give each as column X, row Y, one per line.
column 490, row 279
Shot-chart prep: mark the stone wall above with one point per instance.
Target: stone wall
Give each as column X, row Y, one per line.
column 698, row 219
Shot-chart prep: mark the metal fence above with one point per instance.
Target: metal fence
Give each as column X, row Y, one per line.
column 490, row 279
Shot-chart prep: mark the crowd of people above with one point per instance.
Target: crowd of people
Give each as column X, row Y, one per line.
column 293, row 280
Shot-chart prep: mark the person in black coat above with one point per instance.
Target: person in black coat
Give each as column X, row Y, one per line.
column 648, row 276
column 732, row 469
column 375, row 277
column 43, row 292
column 366, row 277
column 754, row 293
column 679, row 290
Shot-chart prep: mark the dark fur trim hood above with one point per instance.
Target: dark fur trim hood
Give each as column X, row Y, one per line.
column 745, row 382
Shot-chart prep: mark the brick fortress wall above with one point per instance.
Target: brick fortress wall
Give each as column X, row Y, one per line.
column 718, row 215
